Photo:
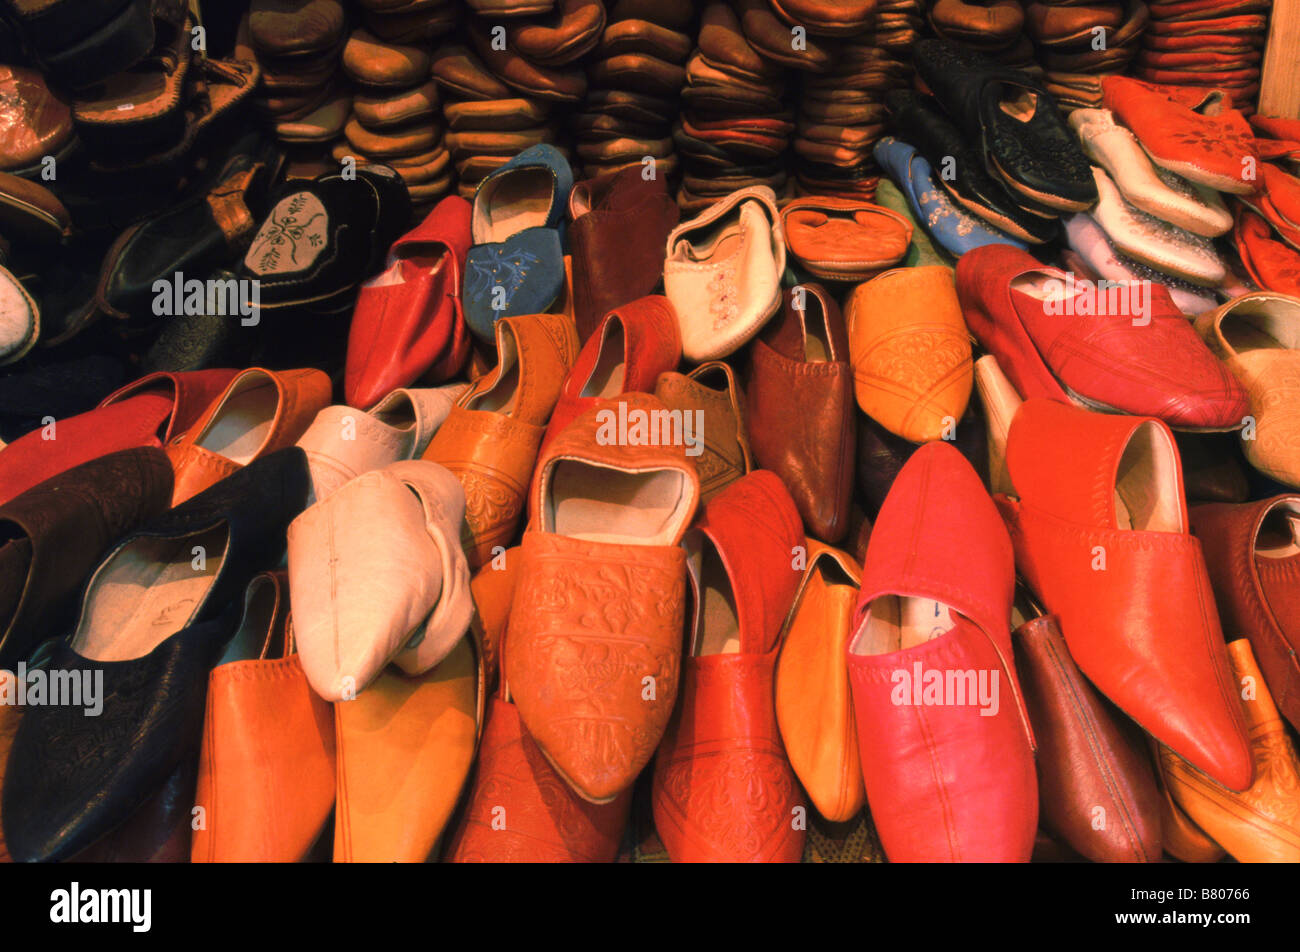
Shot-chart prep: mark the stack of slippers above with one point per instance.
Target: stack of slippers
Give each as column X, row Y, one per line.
column 995, row 28
column 842, row 105
column 485, row 118
column 1209, row 44
column 1077, row 45
column 395, row 116
column 505, row 88
column 298, row 46
column 735, row 124
column 636, row 73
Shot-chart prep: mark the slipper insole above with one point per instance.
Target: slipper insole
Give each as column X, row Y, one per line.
column 243, row 423
column 586, row 501
column 518, row 200
column 148, row 591
column 608, row 376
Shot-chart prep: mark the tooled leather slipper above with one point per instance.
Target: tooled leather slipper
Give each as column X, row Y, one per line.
column 618, row 511
column 842, row 240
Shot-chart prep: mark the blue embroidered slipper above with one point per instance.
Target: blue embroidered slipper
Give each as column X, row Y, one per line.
column 955, row 230
column 517, row 263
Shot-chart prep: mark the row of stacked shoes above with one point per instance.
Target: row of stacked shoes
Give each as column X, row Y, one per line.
column 1207, row 44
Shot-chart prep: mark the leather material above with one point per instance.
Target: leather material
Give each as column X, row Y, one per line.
column 377, row 112
column 723, row 789
column 57, row 532
column 712, row 391
column 342, row 442
column 1271, row 264
column 405, row 747
column 493, row 589
column 1159, row 370
column 1183, row 839
column 1117, row 150
column 564, row 85
column 378, row 575
column 147, row 412
column 922, row 123
column 1157, row 654
column 372, row 62
column 283, row 402
column 1255, row 592
column 1096, row 790
column 491, row 438
column 266, row 763
column 564, row 36
column 619, row 225
column 949, row 782
column 54, row 805
column 1206, row 141
column 282, row 27
column 463, row 73
column 827, row 17
column 801, row 360
column 844, row 240
column 1151, row 241
column 1000, row 402
column 408, row 318
column 910, row 351
column 814, row 706
column 34, row 121
column 576, row 665
column 1257, row 338
column 647, row 331
column 1022, row 136
column 723, row 272
column 1261, row 824
column 521, row 811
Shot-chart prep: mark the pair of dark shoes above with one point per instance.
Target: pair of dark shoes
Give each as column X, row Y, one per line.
column 155, row 617
column 996, row 140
